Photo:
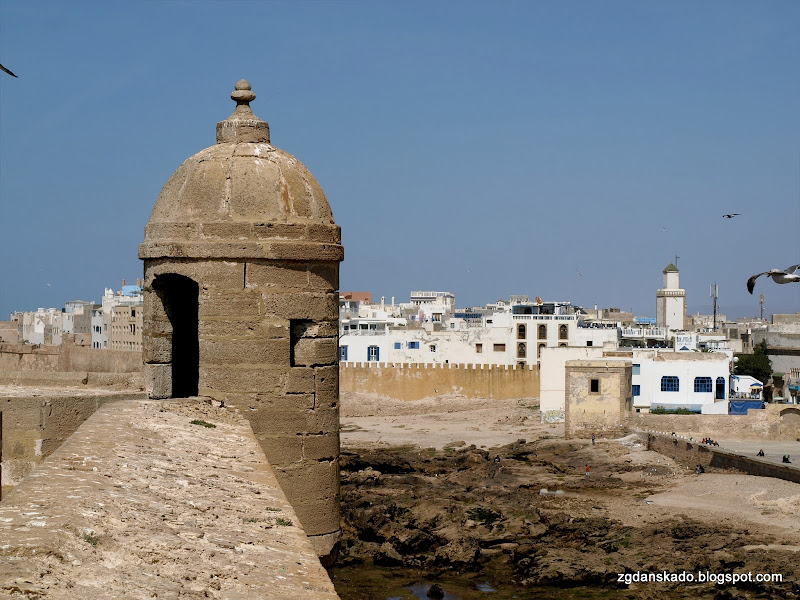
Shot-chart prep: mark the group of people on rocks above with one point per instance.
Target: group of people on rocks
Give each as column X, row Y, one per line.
column 710, row 442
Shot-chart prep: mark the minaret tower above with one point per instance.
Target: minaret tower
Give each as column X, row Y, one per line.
column 671, row 301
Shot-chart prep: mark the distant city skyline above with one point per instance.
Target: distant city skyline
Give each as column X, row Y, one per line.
column 561, row 150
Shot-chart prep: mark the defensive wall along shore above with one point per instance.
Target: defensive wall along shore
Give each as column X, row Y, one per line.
column 140, row 502
column 691, row 453
column 414, row 381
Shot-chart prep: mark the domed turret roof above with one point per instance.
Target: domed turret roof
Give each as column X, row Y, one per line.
column 241, row 197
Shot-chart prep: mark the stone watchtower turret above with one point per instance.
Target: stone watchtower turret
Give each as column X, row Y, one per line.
column 241, row 265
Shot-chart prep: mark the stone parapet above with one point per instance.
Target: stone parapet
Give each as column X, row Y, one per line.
column 142, row 503
column 37, row 420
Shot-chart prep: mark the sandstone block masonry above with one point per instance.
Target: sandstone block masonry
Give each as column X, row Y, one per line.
column 241, row 265
column 141, row 503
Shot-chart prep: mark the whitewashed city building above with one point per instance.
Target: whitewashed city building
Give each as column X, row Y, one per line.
column 429, row 329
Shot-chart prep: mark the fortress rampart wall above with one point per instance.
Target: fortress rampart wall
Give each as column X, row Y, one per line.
column 415, row 381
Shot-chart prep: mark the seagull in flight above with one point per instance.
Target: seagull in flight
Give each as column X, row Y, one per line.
column 7, row 71
column 731, row 215
column 788, row 275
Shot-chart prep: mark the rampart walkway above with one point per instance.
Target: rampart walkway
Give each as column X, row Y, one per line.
column 141, row 503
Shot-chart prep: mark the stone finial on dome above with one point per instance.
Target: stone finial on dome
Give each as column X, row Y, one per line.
column 243, row 95
column 242, row 126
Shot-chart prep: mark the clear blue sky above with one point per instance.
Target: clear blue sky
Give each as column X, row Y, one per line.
column 567, row 150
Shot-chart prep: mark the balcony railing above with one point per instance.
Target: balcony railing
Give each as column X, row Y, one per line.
column 645, row 332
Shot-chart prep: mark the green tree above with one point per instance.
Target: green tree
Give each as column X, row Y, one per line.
column 756, row 364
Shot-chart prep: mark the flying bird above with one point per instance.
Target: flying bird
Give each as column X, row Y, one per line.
column 788, row 275
column 7, row 71
column 730, row 216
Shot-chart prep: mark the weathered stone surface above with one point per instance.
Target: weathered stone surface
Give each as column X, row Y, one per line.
column 237, row 379
column 244, row 351
column 156, row 348
column 324, row 277
column 228, row 327
column 316, row 351
column 282, row 450
column 241, row 305
column 300, row 380
column 141, row 503
column 288, row 250
column 321, row 447
column 215, row 274
column 285, row 275
column 326, row 387
column 322, row 307
column 158, row 380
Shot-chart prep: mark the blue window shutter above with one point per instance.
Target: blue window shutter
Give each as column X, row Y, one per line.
column 377, row 353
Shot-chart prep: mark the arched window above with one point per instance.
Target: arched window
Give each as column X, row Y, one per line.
column 670, row 383
column 703, row 384
column 520, row 332
column 562, row 332
column 521, row 350
column 539, row 350
column 542, row 332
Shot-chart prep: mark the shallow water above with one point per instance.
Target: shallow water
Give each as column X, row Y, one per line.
column 366, row 582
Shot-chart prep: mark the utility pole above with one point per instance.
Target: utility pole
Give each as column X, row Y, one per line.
column 714, row 296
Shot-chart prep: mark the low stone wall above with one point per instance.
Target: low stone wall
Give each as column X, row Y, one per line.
column 684, row 452
column 67, row 357
column 690, row 454
column 404, row 381
column 776, row 421
column 142, row 503
column 36, row 423
column 71, row 379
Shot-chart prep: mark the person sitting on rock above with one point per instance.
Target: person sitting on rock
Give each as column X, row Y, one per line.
column 699, row 470
column 786, row 458
column 760, row 452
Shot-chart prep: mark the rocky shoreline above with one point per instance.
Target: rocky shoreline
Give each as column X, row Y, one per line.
column 525, row 517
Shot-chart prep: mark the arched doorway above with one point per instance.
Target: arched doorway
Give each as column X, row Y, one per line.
column 178, row 302
column 790, row 422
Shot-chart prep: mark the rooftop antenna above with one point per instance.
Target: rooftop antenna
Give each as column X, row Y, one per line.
column 676, row 261
column 714, row 295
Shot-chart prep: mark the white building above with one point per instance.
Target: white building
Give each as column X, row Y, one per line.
column 696, row 381
column 746, row 387
column 431, row 330
column 44, row 326
column 103, row 317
